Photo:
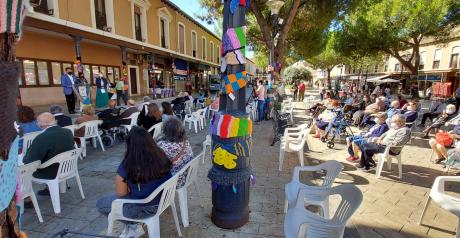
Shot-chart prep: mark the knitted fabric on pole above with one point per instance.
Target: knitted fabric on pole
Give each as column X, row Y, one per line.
column 234, row 39
column 233, row 82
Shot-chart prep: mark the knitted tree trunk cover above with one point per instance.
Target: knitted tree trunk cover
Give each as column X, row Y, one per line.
column 9, row 73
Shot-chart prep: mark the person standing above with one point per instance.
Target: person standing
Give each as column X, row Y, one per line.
column 68, row 80
column 102, row 96
column 457, row 98
column 260, row 100
column 120, row 92
column 295, row 89
column 301, row 91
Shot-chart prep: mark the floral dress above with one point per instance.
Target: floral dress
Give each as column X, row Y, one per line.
column 180, row 154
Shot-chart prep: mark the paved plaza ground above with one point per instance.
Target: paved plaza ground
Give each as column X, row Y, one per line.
column 391, row 207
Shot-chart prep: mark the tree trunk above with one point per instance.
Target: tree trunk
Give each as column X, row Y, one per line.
column 329, row 83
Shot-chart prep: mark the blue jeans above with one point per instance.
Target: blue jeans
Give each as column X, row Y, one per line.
column 133, row 211
column 260, row 109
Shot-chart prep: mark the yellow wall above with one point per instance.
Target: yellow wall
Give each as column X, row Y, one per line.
column 123, row 18
column 76, row 11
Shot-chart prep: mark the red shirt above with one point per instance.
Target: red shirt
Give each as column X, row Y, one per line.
column 302, row 87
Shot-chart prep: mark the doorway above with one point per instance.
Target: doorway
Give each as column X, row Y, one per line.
column 133, row 80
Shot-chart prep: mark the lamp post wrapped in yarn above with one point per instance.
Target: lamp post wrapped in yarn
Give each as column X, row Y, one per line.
column 231, row 127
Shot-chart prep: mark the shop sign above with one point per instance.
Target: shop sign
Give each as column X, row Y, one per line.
column 429, row 77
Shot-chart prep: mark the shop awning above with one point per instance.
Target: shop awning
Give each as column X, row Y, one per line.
column 180, row 67
column 377, row 79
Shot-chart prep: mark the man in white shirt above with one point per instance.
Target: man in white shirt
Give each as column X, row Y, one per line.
column 260, row 100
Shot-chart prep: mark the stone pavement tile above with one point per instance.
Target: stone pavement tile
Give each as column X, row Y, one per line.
column 272, row 229
column 57, row 224
column 267, row 217
column 440, row 233
column 244, row 235
column 249, row 228
column 414, row 230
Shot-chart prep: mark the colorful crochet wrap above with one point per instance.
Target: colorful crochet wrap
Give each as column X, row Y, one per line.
column 8, row 175
column 235, row 3
column 12, row 14
column 227, row 126
column 234, row 39
column 233, row 82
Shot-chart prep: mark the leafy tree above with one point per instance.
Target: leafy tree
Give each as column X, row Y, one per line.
column 328, row 58
column 304, row 22
column 397, row 28
column 294, row 74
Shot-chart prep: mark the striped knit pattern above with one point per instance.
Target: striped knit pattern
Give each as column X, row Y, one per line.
column 227, row 126
column 12, row 14
column 234, row 39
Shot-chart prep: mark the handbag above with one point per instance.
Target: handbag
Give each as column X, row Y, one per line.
column 444, row 138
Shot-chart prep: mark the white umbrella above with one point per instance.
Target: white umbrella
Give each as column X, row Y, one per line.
column 387, row 80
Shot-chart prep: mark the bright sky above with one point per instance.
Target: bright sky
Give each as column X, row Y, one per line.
column 192, row 8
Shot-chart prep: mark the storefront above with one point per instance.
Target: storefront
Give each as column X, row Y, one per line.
column 181, row 76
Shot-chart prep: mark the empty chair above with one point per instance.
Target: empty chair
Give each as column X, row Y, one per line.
column 193, row 118
column 157, row 130
column 27, row 140
column 91, row 132
column 167, row 191
column 293, row 141
column 68, row 168
column 289, row 109
column 316, row 195
column 133, row 121
column 445, row 201
column 188, row 107
column 202, row 115
column 388, row 157
column 207, row 142
column 27, row 190
column 300, row 222
column 191, row 171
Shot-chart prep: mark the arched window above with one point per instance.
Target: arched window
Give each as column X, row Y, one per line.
column 422, row 60
column 454, row 57
column 181, row 38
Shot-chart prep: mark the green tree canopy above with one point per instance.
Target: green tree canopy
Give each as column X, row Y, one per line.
column 294, row 74
column 397, row 28
column 304, row 24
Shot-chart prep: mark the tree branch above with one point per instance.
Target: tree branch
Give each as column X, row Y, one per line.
column 264, row 28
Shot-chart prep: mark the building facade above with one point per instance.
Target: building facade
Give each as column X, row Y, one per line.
column 439, row 62
column 150, row 42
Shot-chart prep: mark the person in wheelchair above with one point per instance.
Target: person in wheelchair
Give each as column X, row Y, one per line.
column 353, row 142
column 110, row 117
column 322, row 122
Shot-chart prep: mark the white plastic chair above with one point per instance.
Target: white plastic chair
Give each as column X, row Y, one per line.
column 289, row 109
column 91, row 132
column 207, row 142
column 202, row 115
column 27, row 190
column 293, row 141
column 188, row 107
column 445, row 201
column 332, row 169
column 319, row 227
column 388, row 157
column 72, row 128
column 192, row 178
column 68, row 168
column 27, row 140
column 133, row 121
column 157, row 130
column 193, row 118
column 167, row 190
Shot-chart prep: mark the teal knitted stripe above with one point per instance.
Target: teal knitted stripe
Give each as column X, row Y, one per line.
column 9, row 6
column 18, row 17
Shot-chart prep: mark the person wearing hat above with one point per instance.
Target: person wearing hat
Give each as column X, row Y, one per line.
column 353, row 142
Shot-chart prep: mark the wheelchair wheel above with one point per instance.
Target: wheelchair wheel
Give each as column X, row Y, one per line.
column 330, row 144
column 323, row 139
column 108, row 141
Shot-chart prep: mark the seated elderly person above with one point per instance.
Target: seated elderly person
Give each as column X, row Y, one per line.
column 128, row 112
column 398, row 135
column 410, row 112
column 88, row 115
column 446, row 116
column 442, row 141
column 322, row 122
column 435, row 109
column 51, row 142
column 353, row 142
column 372, row 109
column 62, row 120
column 110, row 116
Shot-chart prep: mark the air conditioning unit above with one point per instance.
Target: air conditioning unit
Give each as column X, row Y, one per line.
column 51, row 12
column 457, row 74
column 107, row 28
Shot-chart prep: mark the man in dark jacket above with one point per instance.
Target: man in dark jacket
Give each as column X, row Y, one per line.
column 62, row 120
column 51, row 142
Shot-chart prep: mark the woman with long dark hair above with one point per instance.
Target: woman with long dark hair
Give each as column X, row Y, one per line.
column 144, row 168
column 150, row 117
column 167, row 111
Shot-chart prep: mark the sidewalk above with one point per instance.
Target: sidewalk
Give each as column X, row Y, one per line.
column 390, row 209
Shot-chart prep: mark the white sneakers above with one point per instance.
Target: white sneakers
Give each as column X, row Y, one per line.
column 132, row 231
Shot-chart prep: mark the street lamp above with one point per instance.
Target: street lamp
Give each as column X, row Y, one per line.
column 274, row 6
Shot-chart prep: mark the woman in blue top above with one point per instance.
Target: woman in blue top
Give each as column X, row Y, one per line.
column 26, row 122
column 144, row 168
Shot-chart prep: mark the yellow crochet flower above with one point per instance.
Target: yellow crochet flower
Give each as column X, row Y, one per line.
column 223, row 157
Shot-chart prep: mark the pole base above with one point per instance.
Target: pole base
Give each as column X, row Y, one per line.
column 232, row 220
